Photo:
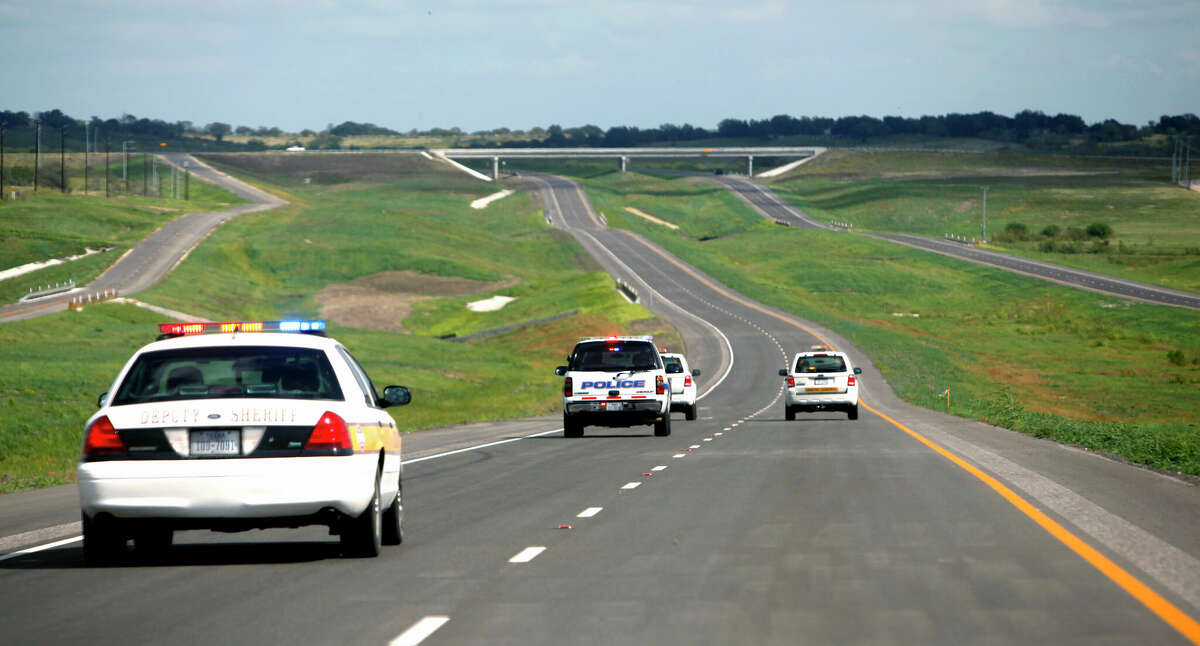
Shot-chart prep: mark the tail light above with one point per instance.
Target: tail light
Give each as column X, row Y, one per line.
column 791, row 381
column 102, row 439
column 329, row 433
column 568, row 388
column 659, row 387
column 687, row 381
column 850, row 380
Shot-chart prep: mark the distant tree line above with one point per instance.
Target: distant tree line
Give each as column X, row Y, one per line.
column 1031, row 128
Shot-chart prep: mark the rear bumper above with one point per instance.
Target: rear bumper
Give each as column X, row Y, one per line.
column 817, row 401
column 633, row 412
column 229, row 488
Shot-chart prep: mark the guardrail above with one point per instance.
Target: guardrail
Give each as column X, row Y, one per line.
column 507, row 328
column 963, row 239
column 78, row 302
column 47, row 290
column 846, row 226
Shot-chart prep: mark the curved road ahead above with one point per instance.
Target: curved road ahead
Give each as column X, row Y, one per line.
column 770, row 206
column 906, row 526
column 153, row 258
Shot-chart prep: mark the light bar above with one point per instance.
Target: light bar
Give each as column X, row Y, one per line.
column 234, row 327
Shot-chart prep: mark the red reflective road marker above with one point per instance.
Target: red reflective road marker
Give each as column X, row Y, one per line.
column 564, row 527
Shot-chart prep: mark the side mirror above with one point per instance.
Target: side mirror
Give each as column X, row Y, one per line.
column 783, row 372
column 396, row 396
column 858, row 371
column 695, row 372
column 560, row 371
column 101, row 400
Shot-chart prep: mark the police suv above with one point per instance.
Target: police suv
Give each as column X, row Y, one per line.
column 239, row 426
column 615, row 381
column 821, row 380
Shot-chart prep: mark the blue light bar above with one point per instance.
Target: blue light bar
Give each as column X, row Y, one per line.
column 301, row 326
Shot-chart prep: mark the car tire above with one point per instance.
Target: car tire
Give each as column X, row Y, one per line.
column 393, row 518
column 852, row 412
column 690, row 412
column 363, row 536
column 789, row 413
column 152, row 542
column 571, row 428
column 662, row 428
column 103, row 540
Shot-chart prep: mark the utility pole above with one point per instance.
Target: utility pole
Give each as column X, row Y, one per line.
column 1175, row 160
column 106, row 191
column 62, row 156
column 145, row 185
column 125, row 163
column 87, row 150
column 983, row 233
column 187, row 177
column 37, row 152
column 3, row 126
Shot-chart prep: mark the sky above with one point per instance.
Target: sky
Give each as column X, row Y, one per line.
column 479, row 65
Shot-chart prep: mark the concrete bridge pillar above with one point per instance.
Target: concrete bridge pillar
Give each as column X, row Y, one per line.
column 624, row 163
column 749, row 165
column 495, row 168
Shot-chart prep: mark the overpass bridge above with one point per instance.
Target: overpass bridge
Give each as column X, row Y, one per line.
column 623, row 155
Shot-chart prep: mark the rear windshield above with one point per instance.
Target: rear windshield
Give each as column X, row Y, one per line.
column 821, row 364
column 219, row 373
column 614, row 356
column 673, row 365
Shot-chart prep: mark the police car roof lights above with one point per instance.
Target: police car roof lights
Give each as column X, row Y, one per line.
column 233, row 327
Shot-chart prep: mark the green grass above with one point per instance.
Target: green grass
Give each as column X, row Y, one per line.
column 1053, row 361
column 1155, row 237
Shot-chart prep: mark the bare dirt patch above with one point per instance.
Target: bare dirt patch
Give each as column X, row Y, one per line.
column 382, row 301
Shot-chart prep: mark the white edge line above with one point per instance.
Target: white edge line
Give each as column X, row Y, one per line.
column 419, row 631
column 47, row 546
column 479, row 446
column 528, row 554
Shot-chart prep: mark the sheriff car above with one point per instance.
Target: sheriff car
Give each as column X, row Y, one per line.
column 821, row 379
column 615, row 381
column 238, row 426
column 683, row 383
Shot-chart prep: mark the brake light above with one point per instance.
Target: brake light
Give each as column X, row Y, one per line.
column 568, row 388
column 659, row 388
column 687, row 381
column 329, row 433
column 102, row 439
column 850, row 380
column 791, row 381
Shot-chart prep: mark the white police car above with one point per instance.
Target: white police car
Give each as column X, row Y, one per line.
column 615, row 381
column 683, row 383
column 238, row 426
column 821, row 380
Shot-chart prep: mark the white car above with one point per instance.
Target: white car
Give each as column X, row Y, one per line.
column 683, row 383
column 239, row 426
column 615, row 381
column 821, row 380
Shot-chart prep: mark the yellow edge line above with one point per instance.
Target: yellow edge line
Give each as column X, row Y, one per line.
column 1165, row 610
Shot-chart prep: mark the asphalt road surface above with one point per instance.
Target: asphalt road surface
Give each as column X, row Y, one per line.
column 770, row 206
column 906, row 526
column 147, row 263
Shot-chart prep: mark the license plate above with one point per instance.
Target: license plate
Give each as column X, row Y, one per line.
column 615, row 405
column 821, row 390
column 210, row 443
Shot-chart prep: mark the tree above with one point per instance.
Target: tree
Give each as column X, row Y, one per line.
column 218, row 130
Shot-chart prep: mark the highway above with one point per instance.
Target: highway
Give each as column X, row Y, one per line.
column 907, row 526
column 770, row 206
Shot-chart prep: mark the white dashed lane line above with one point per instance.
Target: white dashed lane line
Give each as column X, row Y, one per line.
column 631, row 485
column 528, row 554
column 679, row 455
column 659, row 467
column 589, row 512
column 419, row 631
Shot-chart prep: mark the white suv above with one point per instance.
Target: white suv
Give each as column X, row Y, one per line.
column 238, row 426
column 615, row 381
column 683, row 384
column 821, row 380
